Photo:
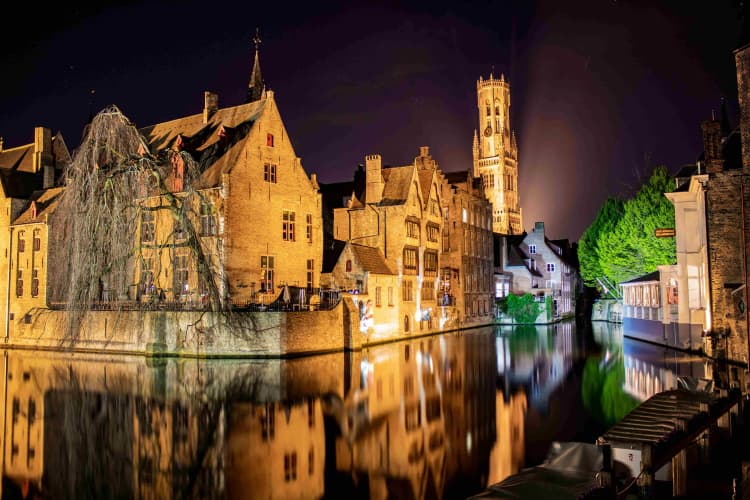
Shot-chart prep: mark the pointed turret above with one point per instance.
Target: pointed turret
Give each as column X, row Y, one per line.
column 255, row 88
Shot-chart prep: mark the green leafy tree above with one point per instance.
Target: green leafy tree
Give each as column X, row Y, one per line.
column 624, row 247
column 523, row 308
column 588, row 245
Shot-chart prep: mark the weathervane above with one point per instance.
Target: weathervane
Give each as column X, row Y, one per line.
column 256, row 39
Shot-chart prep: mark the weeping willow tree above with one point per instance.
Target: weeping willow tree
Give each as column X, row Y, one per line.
column 113, row 180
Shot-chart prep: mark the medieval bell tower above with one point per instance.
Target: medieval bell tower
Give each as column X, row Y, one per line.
column 496, row 155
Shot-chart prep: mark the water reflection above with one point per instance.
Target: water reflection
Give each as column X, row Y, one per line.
column 439, row 416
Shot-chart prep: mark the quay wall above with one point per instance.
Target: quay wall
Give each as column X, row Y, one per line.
column 203, row 334
column 188, row 333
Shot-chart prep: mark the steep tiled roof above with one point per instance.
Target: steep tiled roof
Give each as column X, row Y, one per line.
column 516, row 256
column 397, row 184
column 46, row 202
column 371, row 259
column 215, row 145
column 20, row 159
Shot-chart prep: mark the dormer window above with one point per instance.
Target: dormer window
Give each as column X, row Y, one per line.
column 349, row 265
column 33, row 210
column 269, row 140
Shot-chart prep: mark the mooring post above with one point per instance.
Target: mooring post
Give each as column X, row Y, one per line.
column 679, row 474
column 646, row 476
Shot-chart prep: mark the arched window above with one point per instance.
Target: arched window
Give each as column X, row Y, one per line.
column 349, row 265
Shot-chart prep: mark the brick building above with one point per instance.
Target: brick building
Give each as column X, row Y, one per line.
column 495, row 154
column 533, row 263
column 399, row 210
column 466, row 260
column 247, row 166
column 28, row 175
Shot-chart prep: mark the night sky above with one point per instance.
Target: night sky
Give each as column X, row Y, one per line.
column 601, row 90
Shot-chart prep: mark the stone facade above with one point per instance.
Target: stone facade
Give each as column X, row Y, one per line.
column 400, row 212
column 258, row 173
column 195, row 333
column 495, row 155
column 30, row 173
column 544, row 268
column 466, row 260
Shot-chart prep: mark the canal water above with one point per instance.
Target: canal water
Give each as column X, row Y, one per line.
column 434, row 417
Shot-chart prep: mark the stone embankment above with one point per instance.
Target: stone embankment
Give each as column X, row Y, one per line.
column 201, row 333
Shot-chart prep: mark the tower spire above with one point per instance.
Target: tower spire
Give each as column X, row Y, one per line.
column 256, row 87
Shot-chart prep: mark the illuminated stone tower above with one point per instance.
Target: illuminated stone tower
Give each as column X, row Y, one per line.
column 496, row 155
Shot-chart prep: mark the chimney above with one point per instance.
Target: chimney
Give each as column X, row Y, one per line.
column 424, row 151
column 539, row 226
column 712, row 146
column 374, row 179
column 742, row 63
column 210, row 105
column 42, row 148
column 1, row 143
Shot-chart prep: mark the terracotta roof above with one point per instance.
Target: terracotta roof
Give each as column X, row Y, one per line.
column 20, row 159
column 46, row 202
column 215, row 145
column 371, row 259
column 397, row 184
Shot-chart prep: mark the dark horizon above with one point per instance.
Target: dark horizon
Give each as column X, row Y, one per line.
column 600, row 91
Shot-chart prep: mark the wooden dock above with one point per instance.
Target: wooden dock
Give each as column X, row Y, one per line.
column 661, row 429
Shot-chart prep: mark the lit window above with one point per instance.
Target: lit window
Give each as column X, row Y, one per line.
column 410, row 258
column 310, row 266
column 407, row 290
column 208, row 220
column 430, row 262
column 269, row 173
column 433, row 231
column 19, row 282
column 287, row 227
column 290, row 466
column 412, row 229
column 34, row 282
column 180, row 274
column 147, row 226
column 267, row 272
